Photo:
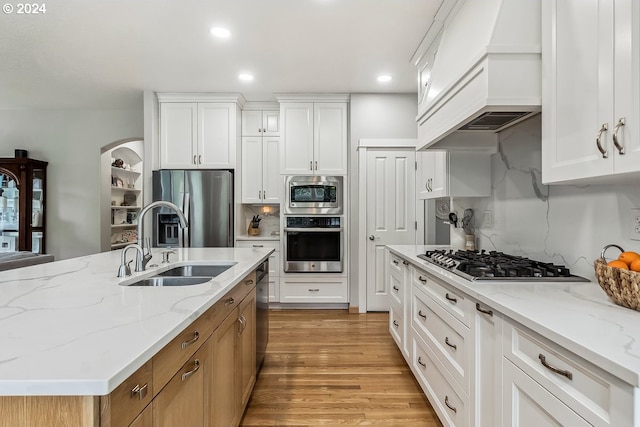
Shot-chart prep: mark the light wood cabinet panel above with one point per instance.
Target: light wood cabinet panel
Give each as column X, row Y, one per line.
column 223, row 402
column 50, row 411
column 181, row 402
column 145, row 419
column 123, row 404
column 246, row 349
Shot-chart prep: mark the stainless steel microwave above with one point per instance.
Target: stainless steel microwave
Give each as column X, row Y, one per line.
column 313, row 195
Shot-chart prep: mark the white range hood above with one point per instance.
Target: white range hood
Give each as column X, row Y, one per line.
column 480, row 72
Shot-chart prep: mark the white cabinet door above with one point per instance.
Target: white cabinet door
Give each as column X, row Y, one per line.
column 330, row 138
column 251, row 123
column 296, row 154
column 271, row 179
column 252, row 160
column 178, row 135
column 433, row 173
column 217, row 135
column 270, row 123
column 528, row 404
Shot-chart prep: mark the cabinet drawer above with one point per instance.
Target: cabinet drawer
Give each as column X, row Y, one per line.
column 318, row 290
column 230, row 301
column 123, row 404
column 452, row 300
column 593, row 393
column 396, row 325
column 445, row 335
column 448, row 400
column 273, row 244
column 396, row 285
column 395, row 264
column 168, row 360
column 274, row 289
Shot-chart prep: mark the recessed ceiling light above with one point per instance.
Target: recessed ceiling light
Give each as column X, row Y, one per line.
column 245, row 77
column 384, row 78
column 220, row 32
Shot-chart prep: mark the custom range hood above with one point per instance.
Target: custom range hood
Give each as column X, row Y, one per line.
column 479, row 68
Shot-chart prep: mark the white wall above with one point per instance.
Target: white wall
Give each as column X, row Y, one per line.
column 70, row 140
column 566, row 224
column 373, row 116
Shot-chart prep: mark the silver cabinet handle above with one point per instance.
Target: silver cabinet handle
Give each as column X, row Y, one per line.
column 264, row 129
column 395, row 288
column 316, row 166
column 424, row 316
column 405, row 263
column 249, row 282
column 446, row 402
column 200, row 159
column 196, row 366
column 453, row 346
column 259, row 130
column 564, row 373
column 139, row 392
column 615, row 136
column 264, row 195
column 314, row 290
column 421, row 363
column 603, row 129
column 229, row 302
column 185, row 344
column 481, row 310
column 258, row 246
column 452, row 299
column 395, row 324
column 311, row 165
column 243, row 323
column 395, row 261
column 194, row 159
column 422, row 279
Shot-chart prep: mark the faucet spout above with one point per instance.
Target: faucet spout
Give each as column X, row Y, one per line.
column 145, row 258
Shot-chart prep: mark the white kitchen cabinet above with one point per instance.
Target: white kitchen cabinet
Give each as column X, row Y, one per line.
column 591, row 91
column 399, row 281
column 274, row 263
column 260, row 123
column 260, row 178
column 198, row 134
column 313, row 289
column 453, row 174
column 313, row 138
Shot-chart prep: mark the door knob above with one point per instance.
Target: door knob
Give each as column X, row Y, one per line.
column 372, row 237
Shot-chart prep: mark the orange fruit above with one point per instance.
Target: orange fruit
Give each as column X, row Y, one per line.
column 635, row 265
column 618, row 264
column 628, row 257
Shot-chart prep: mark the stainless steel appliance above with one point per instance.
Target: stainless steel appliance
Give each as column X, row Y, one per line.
column 493, row 265
column 313, row 195
column 206, row 199
column 313, row 244
column 262, row 312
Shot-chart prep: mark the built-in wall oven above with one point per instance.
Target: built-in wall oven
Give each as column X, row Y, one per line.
column 313, row 195
column 313, row 244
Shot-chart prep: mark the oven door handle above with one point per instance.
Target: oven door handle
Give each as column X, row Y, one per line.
column 314, row 229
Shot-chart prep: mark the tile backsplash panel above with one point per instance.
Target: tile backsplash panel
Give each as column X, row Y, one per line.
column 566, row 224
column 269, row 223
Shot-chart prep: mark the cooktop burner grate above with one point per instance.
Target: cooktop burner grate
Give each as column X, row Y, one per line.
column 494, row 265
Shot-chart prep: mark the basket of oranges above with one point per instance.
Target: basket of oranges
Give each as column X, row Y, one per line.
column 620, row 278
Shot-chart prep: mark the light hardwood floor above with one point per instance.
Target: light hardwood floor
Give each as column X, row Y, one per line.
column 329, row 367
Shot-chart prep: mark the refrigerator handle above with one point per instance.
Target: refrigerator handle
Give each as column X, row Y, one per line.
column 230, row 225
column 183, row 237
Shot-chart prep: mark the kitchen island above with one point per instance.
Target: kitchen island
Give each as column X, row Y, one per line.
column 509, row 353
column 71, row 328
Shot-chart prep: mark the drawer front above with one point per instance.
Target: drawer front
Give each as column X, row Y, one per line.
column 129, row 399
column 445, row 335
column 320, row 291
column 274, row 289
column 591, row 392
column 396, row 285
column 168, row 360
column 452, row 300
column 395, row 264
column 396, row 325
column 274, row 258
column 448, row 400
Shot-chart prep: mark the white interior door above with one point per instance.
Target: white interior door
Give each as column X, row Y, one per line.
column 390, row 208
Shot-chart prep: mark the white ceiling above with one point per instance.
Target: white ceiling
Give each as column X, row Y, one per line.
column 104, row 53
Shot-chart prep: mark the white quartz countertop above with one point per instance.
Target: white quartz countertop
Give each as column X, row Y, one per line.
column 578, row 315
column 71, row 328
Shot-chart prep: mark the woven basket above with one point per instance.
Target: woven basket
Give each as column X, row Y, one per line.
column 622, row 286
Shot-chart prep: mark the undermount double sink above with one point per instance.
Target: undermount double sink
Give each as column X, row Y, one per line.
column 185, row 275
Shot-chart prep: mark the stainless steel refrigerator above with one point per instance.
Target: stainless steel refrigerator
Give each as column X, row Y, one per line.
column 206, row 199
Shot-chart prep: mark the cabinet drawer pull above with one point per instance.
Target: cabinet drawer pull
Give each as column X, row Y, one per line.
column 603, row 129
column 316, row 165
column 482, row 310
column 453, row 346
column 200, row 159
column 259, row 195
column 395, row 288
column 446, row 402
column 139, row 392
column 422, row 279
column 194, row 159
column 564, row 373
column 615, row 136
column 311, row 165
column 421, row 363
column 314, row 290
column 395, row 261
column 249, row 282
column 395, row 324
column 185, row 344
column 452, row 299
column 405, row 263
column 258, row 246
column 196, row 366
column 243, row 324
column 229, row 302
column 424, row 316
column 264, row 195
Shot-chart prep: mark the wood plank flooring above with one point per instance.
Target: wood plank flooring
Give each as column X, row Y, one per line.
column 329, row 367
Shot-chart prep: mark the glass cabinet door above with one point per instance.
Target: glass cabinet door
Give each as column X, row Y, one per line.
column 9, row 212
column 37, row 210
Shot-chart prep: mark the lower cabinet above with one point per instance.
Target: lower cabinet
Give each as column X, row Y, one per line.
column 145, row 419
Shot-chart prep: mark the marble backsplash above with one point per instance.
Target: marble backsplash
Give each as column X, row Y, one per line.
column 269, row 221
column 565, row 224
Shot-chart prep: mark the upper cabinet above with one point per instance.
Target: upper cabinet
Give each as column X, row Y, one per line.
column 199, row 130
column 260, row 123
column 313, row 136
column 453, row 174
column 591, row 91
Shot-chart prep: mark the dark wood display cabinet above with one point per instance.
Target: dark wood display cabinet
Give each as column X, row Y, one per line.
column 23, row 183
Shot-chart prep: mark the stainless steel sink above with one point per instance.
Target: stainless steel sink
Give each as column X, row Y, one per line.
column 170, row 281
column 202, row 270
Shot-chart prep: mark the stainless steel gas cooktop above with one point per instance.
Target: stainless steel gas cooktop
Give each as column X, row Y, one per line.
column 483, row 265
